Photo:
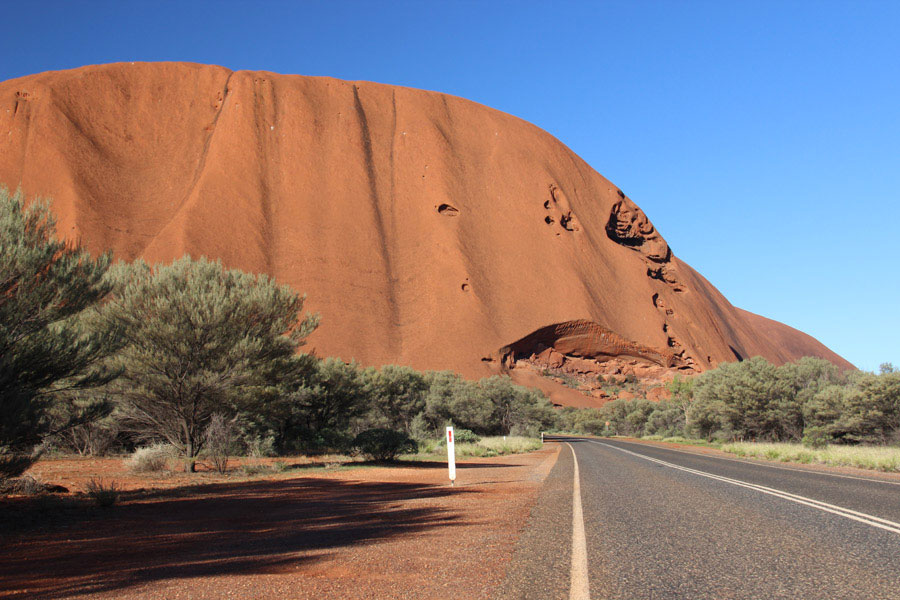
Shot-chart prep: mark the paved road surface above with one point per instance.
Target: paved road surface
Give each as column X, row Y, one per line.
column 662, row 523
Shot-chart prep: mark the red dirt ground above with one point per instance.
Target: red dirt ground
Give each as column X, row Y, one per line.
column 367, row 532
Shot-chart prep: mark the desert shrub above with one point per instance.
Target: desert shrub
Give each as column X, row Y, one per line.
column 220, row 437
column 419, row 428
column 816, row 437
column 103, row 494
column 431, row 446
column 255, row 469
column 260, row 446
column 150, row 459
column 397, row 394
column 320, row 399
column 384, row 444
column 452, row 399
column 27, row 485
column 466, row 436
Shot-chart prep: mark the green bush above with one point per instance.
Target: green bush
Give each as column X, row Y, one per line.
column 384, row 444
column 816, row 437
column 466, row 436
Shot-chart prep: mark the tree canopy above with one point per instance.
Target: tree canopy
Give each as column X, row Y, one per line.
column 198, row 339
column 45, row 285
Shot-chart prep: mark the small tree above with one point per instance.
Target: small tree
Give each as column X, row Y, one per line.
column 45, row 284
column 319, row 401
column 397, row 394
column 199, row 339
column 220, row 437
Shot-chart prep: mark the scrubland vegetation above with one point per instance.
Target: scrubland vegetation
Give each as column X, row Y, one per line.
column 469, row 444
column 810, row 401
column 878, row 458
column 195, row 360
column 192, row 360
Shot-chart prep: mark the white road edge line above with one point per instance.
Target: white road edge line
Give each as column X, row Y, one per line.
column 847, row 513
column 579, row 585
column 760, row 463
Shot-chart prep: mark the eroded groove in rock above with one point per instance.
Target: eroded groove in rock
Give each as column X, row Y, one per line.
column 448, row 210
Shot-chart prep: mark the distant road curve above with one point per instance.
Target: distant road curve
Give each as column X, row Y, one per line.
column 664, row 523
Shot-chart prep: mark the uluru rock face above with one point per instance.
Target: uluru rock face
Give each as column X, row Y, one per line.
column 426, row 229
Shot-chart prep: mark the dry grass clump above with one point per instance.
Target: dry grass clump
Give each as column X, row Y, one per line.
column 150, row 459
column 878, row 458
column 103, row 494
column 26, row 485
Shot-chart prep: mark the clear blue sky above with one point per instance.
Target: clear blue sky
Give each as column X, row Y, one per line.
column 762, row 138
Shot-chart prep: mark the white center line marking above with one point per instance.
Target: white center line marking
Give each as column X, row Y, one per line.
column 867, row 519
column 579, row 586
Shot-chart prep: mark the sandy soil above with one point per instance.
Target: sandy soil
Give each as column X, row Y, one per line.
column 364, row 532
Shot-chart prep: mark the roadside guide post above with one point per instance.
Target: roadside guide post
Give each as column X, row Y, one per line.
column 451, row 455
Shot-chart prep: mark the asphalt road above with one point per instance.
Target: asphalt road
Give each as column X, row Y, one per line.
column 662, row 523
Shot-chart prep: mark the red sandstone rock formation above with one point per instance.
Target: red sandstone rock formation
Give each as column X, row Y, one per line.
column 426, row 229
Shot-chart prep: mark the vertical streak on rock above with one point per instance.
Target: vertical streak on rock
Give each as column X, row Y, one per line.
column 264, row 135
column 28, row 117
column 393, row 173
column 201, row 165
column 392, row 330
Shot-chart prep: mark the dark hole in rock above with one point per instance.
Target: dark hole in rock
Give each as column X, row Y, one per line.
column 465, row 287
column 548, row 220
column 547, row 205
column 447, row 210
column 621, row 193
column 487, row 359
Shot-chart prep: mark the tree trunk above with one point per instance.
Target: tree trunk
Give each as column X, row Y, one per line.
column 189, row 466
